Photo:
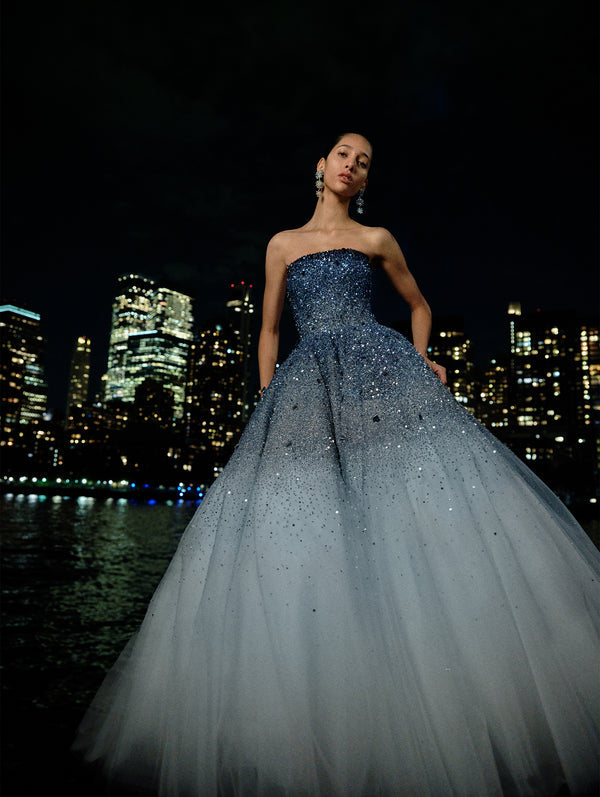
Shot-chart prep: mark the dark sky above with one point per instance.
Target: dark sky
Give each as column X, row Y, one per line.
column 173, row 140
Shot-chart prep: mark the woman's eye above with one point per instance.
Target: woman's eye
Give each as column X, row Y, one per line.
column 342, row 154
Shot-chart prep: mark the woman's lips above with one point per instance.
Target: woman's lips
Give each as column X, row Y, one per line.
column 346, row 178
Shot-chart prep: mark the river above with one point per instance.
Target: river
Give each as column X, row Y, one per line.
column 77, row 574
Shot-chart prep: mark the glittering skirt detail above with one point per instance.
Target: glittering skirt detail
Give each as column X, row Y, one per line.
column 374, row 599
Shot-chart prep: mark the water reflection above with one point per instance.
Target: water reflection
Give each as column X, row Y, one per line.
column 77, row 575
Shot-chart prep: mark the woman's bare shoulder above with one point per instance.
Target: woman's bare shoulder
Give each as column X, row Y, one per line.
column 379, row 239
column 284, row 245
column 379, row 244
column 282, row 239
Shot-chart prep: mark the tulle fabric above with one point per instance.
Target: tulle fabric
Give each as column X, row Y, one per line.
column 375, row 598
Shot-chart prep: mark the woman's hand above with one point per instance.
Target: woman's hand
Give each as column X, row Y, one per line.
column 438, row 370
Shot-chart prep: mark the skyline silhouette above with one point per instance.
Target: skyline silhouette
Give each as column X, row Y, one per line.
column 177, row 148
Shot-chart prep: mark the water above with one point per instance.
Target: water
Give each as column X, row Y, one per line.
column 77, row 575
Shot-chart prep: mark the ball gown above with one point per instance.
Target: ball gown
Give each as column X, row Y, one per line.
column 375, row 598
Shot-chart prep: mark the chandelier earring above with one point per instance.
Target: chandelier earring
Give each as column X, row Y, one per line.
column 319, row 182
column 360, row 201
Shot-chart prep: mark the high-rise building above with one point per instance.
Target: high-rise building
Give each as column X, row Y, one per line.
column 150, row 338
column 493, row 396
column 450, row 346
column 588, row 403
column 218, row 403
column 588, row 357
column 552, row 396
column 79, row 375
column 545, row 374
column 130, row 312
column 171, row 314
column 23, row 392
column 240, row 311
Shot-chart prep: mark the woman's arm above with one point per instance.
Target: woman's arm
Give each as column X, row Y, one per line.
column 274, row 295
column 393, row 263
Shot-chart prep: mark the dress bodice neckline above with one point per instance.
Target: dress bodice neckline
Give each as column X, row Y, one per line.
column 327, row 252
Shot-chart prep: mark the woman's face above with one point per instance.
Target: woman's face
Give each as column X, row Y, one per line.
column 346, row 167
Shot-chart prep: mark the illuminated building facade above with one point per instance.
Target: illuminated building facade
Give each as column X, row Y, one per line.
column 493, row 395
column 588, row 356
column 79, row 375
column 449, row 346
column 218, row 403
column 545, row 373
column 23, row 392
column 588, row 403
column 240, row 312
column 151, row 335
column 130, row 313
column 553, row 388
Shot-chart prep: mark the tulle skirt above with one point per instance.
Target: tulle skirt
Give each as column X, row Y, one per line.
column 375, row 599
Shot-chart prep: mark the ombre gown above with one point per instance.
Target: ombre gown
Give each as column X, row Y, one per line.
column 375, row 598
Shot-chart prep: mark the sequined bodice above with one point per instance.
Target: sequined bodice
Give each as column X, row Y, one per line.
column 328, row 290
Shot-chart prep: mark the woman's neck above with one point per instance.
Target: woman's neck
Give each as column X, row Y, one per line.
column 331, row 213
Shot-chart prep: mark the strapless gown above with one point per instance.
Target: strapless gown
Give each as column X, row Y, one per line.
column 375, row 598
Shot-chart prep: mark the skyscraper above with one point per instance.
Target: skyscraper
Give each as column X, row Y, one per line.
column 240, row 310
column 23, row 393
column 552, row 396
column 130, row 312
column 545, row 372
column 150, row 338
column 493, row 395
column 218, row 403
column 588, row 356
column 79, row 375
column 450, row 346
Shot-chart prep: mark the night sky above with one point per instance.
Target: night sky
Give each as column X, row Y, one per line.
column 174, row 140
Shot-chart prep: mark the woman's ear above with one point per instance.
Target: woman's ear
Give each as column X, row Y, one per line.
column 321, row 164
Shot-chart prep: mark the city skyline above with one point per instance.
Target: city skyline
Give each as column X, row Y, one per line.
column 138, row 151
column 541, row 396
column 57, row 387
column 486, row 325
column 138, row 311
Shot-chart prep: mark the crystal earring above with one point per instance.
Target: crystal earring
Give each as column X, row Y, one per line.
column 319, row 182
column 360, row 202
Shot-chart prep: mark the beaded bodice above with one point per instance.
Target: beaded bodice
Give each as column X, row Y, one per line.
column 328, row 290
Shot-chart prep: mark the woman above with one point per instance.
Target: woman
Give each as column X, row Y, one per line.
column 375, row 597
column 341, row 175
